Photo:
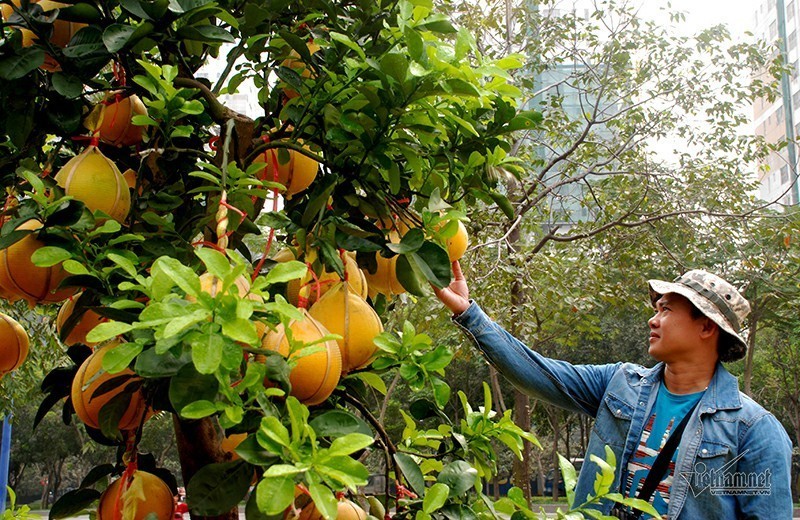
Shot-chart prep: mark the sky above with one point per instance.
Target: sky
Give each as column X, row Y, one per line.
column 737, row 14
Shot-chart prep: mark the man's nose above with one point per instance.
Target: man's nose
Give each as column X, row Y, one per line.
column 653, row 322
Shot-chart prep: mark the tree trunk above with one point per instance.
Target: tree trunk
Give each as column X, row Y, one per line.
column 522, row 471
column 555, row 415
column 522, row 405
column 198, row 446
column 747, row 377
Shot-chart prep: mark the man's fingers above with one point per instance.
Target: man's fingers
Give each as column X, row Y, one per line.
column 457, row 274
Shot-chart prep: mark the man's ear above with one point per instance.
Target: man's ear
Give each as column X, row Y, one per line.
column 709, row 327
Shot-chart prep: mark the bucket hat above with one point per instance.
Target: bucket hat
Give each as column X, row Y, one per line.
column 717, row 299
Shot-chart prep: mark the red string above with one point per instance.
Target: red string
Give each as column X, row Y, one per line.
column 127, row 475
column 343, row 256
column 262, row 176
column 206, row 243
column 212, row 143
column 93, row 139
column 404, row 492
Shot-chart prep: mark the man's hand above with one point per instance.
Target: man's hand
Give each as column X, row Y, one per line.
column 456, row 295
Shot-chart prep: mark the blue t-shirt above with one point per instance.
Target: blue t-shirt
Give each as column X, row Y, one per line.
column 668, row 411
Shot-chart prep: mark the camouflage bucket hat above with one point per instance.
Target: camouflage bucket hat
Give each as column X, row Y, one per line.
column 716, row 298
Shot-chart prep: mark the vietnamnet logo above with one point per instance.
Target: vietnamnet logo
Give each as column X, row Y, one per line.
column 723, row 481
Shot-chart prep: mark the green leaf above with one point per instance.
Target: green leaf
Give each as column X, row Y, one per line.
column 504, row 204
column 108, row 330
column 124, row 263
column 250, row 451
column 198, row 410
column 436, row 359
column 372, row 379
column 273, row 435
column 408, row 277
column 527, row 120
column 350, row 443
column 412, row 241
column 74, row 267
column 181, row 323
column 395, row 65
column 73, row 503
column 205, row 33
column 67, row 85
column 151, row 364
column 286, row 271
column 324, row 500
column 118, row 358
column 346, row 471
column 188, row 386
column 433, row 261
column 388, row 342
column 346, row 41
column 207, row 352
column 16, row 66
column 411, row 472
column 116, row 36
column 184, row 6
column 459, row 476
column 274, row 494
column 216, row 263
column 338, row 423
column 636, row 503
column 441, row 391
column 217, row 488
column 435, row 497
column 48, row 256
column 183, row 276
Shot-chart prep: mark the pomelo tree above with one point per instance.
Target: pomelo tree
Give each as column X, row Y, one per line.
column 170, row 228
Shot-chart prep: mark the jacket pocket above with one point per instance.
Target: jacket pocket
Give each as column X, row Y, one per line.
column 711, row 464
column 613, row 420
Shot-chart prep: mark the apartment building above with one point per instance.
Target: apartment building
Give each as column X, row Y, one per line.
column 778, row 21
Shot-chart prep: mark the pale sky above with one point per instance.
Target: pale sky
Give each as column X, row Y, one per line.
column 736, row 14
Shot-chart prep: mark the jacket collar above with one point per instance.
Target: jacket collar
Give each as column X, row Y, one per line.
column 722, row 392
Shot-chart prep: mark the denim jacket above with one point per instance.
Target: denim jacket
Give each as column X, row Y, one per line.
column 734, row 457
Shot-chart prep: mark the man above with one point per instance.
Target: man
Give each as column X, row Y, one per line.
column 733, row 457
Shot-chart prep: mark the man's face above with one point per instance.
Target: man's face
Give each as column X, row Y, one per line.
column 674, row 333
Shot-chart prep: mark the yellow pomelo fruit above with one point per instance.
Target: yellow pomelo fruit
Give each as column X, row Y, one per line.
column 145, row 494
column 90, row 377
column 113, row 121
column 327, row 279
column 384, row 279
column 13, row 344
column 457, row 244
column 296, row 173
column 213, row 286
column 346, row 510
column 316, row 375
column 229, row 444
column 88, row 320
column 63, row 31
column 350, row 316
column 295, row 63
column 95, row 180
column 19, row 276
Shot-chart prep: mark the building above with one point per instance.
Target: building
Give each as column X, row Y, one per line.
column 778, row 22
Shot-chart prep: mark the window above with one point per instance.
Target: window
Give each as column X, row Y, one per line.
column 794, row 69
column 773, row 30
column 791, row 42
column 779, row 115
column 784, row 174
column 790, row 10
column 795, row 100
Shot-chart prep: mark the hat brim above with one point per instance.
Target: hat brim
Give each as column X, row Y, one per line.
column 658, row 288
